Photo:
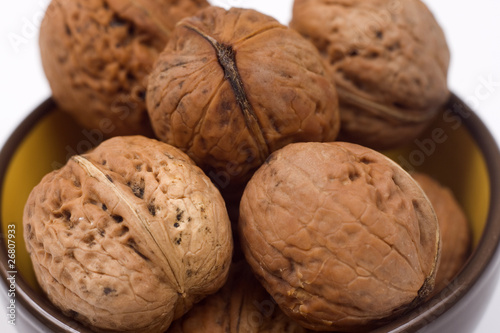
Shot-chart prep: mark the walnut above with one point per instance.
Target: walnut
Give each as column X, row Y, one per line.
column 339, row 235
column 97, row 55
column 456, row 235
column 389, row 60
column 233, row 86
column 128, row 236
column 242, row 305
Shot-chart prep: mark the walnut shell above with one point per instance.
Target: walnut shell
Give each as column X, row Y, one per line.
column 456, row 238
column 389, row 60
column 339, row 235
column 128, row 236
column 241, row 306
column 97, row 55
column 233, row 86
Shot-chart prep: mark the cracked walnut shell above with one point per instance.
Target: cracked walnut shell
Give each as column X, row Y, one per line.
column 340, row 236
column 97, row 55
column 456, row 238
column 128, row 236
column 389, row 61
column 233, row 86
column 241, row 306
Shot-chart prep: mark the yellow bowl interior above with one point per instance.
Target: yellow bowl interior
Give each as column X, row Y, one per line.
column 446, row 151
column 44, row 149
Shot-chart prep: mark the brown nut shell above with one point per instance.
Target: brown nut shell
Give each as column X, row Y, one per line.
column 97, row 55
column 389, row 60
column 128, row 236
column 233, row 86
column 456, row 237
column 241, row 306
column 339, row 235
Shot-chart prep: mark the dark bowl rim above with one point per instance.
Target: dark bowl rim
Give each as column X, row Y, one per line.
column 483, row 259
column 45, row 312
column 486, row 256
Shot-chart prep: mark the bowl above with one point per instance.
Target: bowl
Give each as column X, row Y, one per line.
column 457, row 149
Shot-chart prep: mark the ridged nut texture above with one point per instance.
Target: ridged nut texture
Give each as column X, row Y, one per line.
column 97, row 55
column 456, row 235
column 340, row 236
column 389, row 60
column 241, row 306
column 128, row 236
column 233, row 86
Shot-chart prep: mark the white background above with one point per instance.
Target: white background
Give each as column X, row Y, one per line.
column 472, row 29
